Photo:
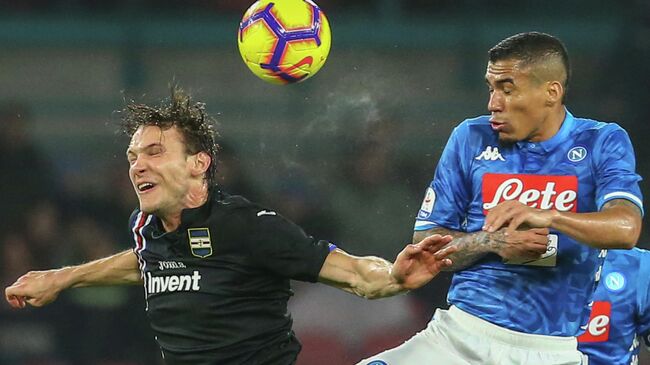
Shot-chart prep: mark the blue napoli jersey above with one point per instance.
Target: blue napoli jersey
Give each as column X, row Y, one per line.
column 621, row 310
column 584, row 165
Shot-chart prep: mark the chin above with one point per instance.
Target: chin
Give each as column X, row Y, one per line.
column 147, row 208
column 507, row 139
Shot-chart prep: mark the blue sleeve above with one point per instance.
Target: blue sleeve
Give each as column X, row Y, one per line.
column 447, row 197
column 615, row 169
column 643, row 297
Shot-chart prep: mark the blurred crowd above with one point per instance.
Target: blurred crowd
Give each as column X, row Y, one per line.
column 50, row 219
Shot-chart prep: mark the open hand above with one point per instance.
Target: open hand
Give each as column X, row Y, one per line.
column 418, row 263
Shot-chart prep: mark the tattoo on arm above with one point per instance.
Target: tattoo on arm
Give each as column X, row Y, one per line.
column 472, row 246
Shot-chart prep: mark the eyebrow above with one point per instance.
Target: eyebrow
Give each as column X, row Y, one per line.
column 151, row 145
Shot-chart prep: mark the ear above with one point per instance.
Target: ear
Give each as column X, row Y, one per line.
column 554, row 93
column 200, row 163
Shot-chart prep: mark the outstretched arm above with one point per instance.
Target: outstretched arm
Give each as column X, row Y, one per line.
column 38, row 288
column 470, row 247
column 373, row 277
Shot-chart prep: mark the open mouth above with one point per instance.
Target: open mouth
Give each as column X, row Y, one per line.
column 145, row 187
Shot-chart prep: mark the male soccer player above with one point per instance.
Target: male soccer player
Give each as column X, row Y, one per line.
column 533, row 196
column 215, row 267
column 620, row 315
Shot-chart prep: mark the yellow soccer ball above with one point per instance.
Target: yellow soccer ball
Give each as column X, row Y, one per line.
column 284, row 41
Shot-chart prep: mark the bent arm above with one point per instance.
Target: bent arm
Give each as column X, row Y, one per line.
column 368, row 277
column 39, row 288
column 617, row 225
column 470, row 247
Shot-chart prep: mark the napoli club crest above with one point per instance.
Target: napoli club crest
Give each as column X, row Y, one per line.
column 200, row 243
column 615, row 281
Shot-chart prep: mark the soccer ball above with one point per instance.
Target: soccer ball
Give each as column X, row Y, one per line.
column 284, row 41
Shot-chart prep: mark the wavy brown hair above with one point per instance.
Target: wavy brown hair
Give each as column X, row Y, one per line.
column 180, row 111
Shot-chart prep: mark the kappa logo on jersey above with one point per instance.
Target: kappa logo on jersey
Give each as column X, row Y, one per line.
column 427, row 204
column 577, row 154
column 599, row 323
column 200, row 243
column 537, row 191
column 490, row 154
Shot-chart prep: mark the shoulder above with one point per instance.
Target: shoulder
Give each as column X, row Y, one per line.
column 237, row 204
column 636, row 259
column 239, row 211
column 475, row 130
column 476, row 125
column 597, row 129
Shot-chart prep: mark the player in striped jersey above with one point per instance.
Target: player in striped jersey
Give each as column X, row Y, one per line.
column 216, row 268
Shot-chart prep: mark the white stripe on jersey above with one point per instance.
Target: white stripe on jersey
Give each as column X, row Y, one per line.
column 622, row 194
column 138, row 237
column 420, row 224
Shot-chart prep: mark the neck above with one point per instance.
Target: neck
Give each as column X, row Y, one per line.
column 551, row 126
column 195, row 198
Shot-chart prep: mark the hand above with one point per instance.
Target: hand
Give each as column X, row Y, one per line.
column 418, row 263
column 515, row 214
column 36, row 288
column 522, row 244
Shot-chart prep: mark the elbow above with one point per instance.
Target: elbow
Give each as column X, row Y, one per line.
column 629, row 235
column 631, row 241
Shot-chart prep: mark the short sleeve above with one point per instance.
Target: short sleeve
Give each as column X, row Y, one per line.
column 283, row 248
column 447, row 196
column 615, row 169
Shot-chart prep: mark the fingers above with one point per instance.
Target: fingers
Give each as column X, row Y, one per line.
column 497, row 218
column 444, row 253
column 515, row 222
column 412, row 249
column 435, row 242
column 14, row 298
column 540, row 231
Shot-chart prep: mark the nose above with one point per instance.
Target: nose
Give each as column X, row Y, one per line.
column 138, row 165
column 495, row 104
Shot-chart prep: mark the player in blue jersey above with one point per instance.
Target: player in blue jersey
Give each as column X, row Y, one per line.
column 620, row 316
column 533, row 197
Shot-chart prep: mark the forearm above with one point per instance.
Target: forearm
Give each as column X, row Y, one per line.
column 368, row 277
column 471, row 246
column 375, row 279
column 615, row 227
column 121, row 268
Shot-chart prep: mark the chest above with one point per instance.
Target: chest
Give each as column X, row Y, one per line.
column 562, row 179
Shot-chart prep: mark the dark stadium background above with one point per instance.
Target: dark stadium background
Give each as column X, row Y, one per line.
column 346, row 154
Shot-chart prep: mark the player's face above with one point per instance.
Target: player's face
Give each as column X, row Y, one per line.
column 159, row 169
column 517, row 102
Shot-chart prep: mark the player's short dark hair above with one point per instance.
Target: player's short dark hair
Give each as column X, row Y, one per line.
column 532, row 48
column 180, row 111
